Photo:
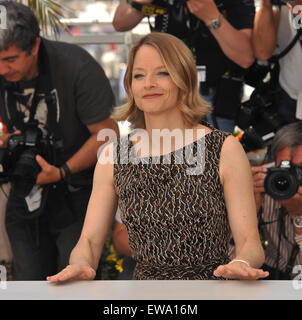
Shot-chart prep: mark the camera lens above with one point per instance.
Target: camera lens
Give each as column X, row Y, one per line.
column 281, row 183
column 25, row 173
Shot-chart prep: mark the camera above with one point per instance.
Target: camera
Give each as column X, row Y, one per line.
column 282, row 182
column 281, row 2
column 259, row 118
column 167, row 3
column 17, row 161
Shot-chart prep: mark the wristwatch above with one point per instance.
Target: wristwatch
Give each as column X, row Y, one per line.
column 215, row 23
column 298, row 221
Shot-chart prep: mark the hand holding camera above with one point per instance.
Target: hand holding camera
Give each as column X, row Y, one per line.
column 48, row 173
column 258, row 175
column 283, row 182
column 205, row 10
column 19, row 160
column 5, row 137
column 267, row 3
column 294, row 204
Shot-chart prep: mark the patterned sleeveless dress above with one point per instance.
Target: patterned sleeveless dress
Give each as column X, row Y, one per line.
column 177, row 222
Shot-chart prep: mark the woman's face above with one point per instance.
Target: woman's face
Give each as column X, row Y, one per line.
column 153, row 90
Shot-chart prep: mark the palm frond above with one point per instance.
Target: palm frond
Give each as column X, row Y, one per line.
column 48, row 13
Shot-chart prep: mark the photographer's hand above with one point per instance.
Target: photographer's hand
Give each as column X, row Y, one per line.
column 48, row 174
column 291, row 6
column 5, row 137
column 294, row 204
column 266, row 3
column 258, row 175
column 205, row 10
column 235, row 43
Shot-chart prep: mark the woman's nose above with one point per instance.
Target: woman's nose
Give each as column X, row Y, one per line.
column 150, row 81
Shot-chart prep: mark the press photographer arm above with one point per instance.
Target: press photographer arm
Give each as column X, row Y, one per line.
column 266, row 25
column 84, row 158
column 236, row 44
column 125, row 17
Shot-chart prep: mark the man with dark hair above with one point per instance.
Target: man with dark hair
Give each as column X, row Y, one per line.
column 55, row 92
column 280, row 222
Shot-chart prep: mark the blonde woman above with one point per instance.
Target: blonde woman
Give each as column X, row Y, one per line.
column 179, row 219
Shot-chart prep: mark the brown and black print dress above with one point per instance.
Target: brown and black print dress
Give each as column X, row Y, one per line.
column 177, row 223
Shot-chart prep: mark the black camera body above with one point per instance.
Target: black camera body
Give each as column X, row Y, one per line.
column 167, row 3
column 17, row 161
column 259, row 118
column 282, row 182
column 281, row 2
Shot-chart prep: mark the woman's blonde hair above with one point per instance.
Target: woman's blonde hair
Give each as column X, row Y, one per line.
column 180, row 64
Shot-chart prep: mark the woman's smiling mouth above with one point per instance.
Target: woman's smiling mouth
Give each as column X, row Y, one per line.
column 152, row 96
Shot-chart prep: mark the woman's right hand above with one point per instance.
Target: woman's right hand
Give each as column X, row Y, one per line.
column 73, row 272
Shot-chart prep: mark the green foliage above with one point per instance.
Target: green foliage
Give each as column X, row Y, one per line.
column 111, row 262
column 48, row 13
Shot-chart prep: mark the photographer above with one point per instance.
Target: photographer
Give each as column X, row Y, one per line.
column 273, row 31
column 219, row 35
column 54, row 100
column 280, row 221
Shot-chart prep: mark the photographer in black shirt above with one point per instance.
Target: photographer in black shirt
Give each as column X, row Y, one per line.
column 55, row 92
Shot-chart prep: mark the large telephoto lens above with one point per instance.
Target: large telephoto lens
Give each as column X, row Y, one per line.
column 25, row 174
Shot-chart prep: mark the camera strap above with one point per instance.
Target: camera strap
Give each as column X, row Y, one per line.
column 273, row 61
column 281, row 234
column 276, row 57
column 292, row 259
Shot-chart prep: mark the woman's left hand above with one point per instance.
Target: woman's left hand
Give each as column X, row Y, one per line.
column 239, row 270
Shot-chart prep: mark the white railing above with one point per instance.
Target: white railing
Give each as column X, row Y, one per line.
column 127, row 38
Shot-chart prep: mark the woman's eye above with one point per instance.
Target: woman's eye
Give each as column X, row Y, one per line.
column 163, row 73
column 137, row 76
